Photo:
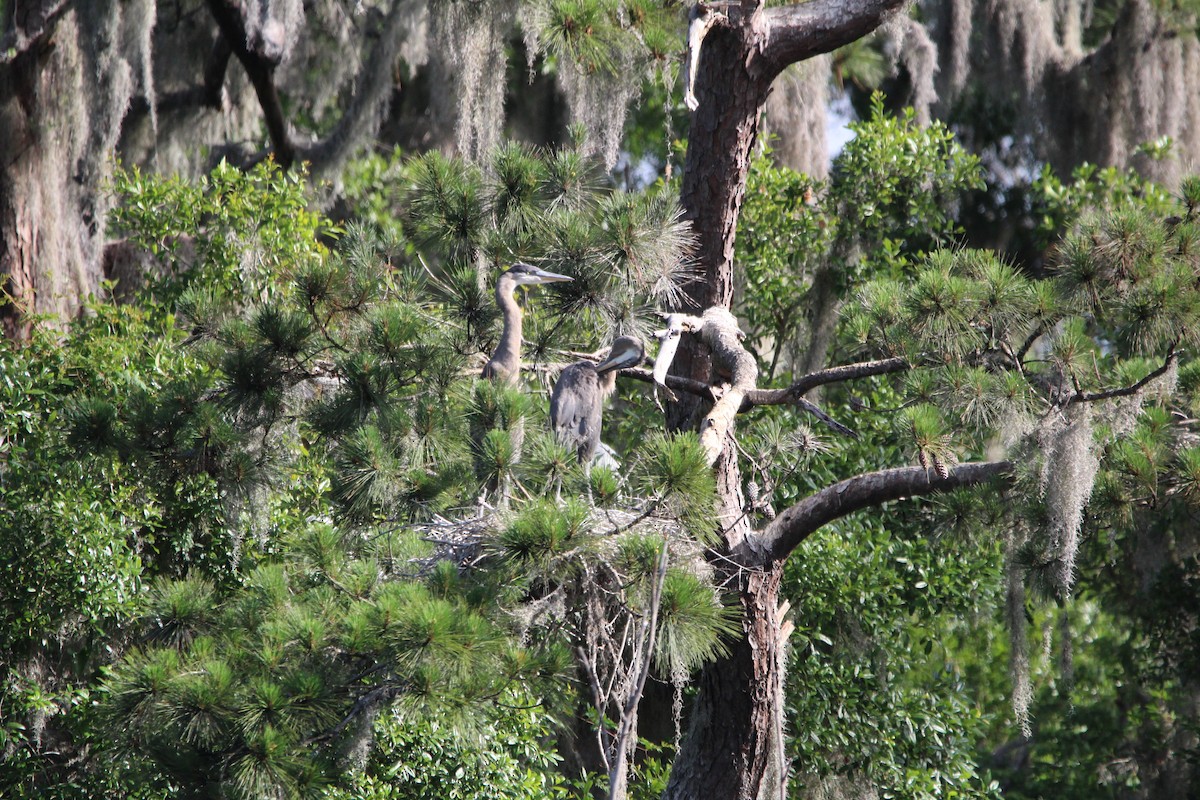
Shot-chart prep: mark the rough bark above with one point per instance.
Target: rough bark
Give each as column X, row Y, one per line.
column 734, row 745
column 65, row 83
column 739, row 59
column 733, row 748
column 721, row 140
column 785, row 533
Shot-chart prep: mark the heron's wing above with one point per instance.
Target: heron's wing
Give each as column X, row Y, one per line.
column 575, row 409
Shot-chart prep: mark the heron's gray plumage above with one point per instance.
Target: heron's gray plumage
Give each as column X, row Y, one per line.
column 577, row 402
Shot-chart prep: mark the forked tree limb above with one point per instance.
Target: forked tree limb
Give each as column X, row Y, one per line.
column 261, row 53
column 1132, row 389
column 792, row 395
column 259, row 57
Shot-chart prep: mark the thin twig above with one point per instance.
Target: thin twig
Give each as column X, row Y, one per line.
column 1081, row 396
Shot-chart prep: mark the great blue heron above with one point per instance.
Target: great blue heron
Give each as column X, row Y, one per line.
column 505, row 364
column 576, row 404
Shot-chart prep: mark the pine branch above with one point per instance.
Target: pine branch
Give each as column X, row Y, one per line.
column 828, row 421
column 798, row 32
column 779, row 397
column 367, row 702
column 786, row 532
column 1034, row 335
column 792, row 395
column 677, row 382
column 844, row 372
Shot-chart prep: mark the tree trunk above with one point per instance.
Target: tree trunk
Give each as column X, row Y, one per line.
column 734, row 746
column 65, row 85
column 720, row 143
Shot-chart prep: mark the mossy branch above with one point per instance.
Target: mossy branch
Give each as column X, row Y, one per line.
column 261, row 52
column 32, row 25
column 719, row 330
column 208, row 94
column 259, row 56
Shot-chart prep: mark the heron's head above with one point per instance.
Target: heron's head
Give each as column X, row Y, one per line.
column 627, row 351
column 522, row 274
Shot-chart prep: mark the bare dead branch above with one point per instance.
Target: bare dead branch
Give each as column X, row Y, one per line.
column 697, row 388
column 643, row 656
column 260, row 55
column 828, row 421
column 701, row 18
column 789, row 396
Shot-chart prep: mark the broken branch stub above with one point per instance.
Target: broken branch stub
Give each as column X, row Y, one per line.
column 701, row 18
column 677, row 325
column 721, row 333
column 719, row 330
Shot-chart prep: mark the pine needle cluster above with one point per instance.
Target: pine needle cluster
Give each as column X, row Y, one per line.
column 258, row 688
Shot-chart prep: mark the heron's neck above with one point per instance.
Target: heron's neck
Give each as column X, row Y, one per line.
column 508, row 351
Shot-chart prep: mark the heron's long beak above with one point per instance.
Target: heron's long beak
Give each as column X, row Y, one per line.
column 612, row 362
column 542, row 276
column 629, row 357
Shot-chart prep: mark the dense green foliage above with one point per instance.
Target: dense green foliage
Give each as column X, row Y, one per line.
column 891, row 198
column 237, row 520
column 328, row 406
